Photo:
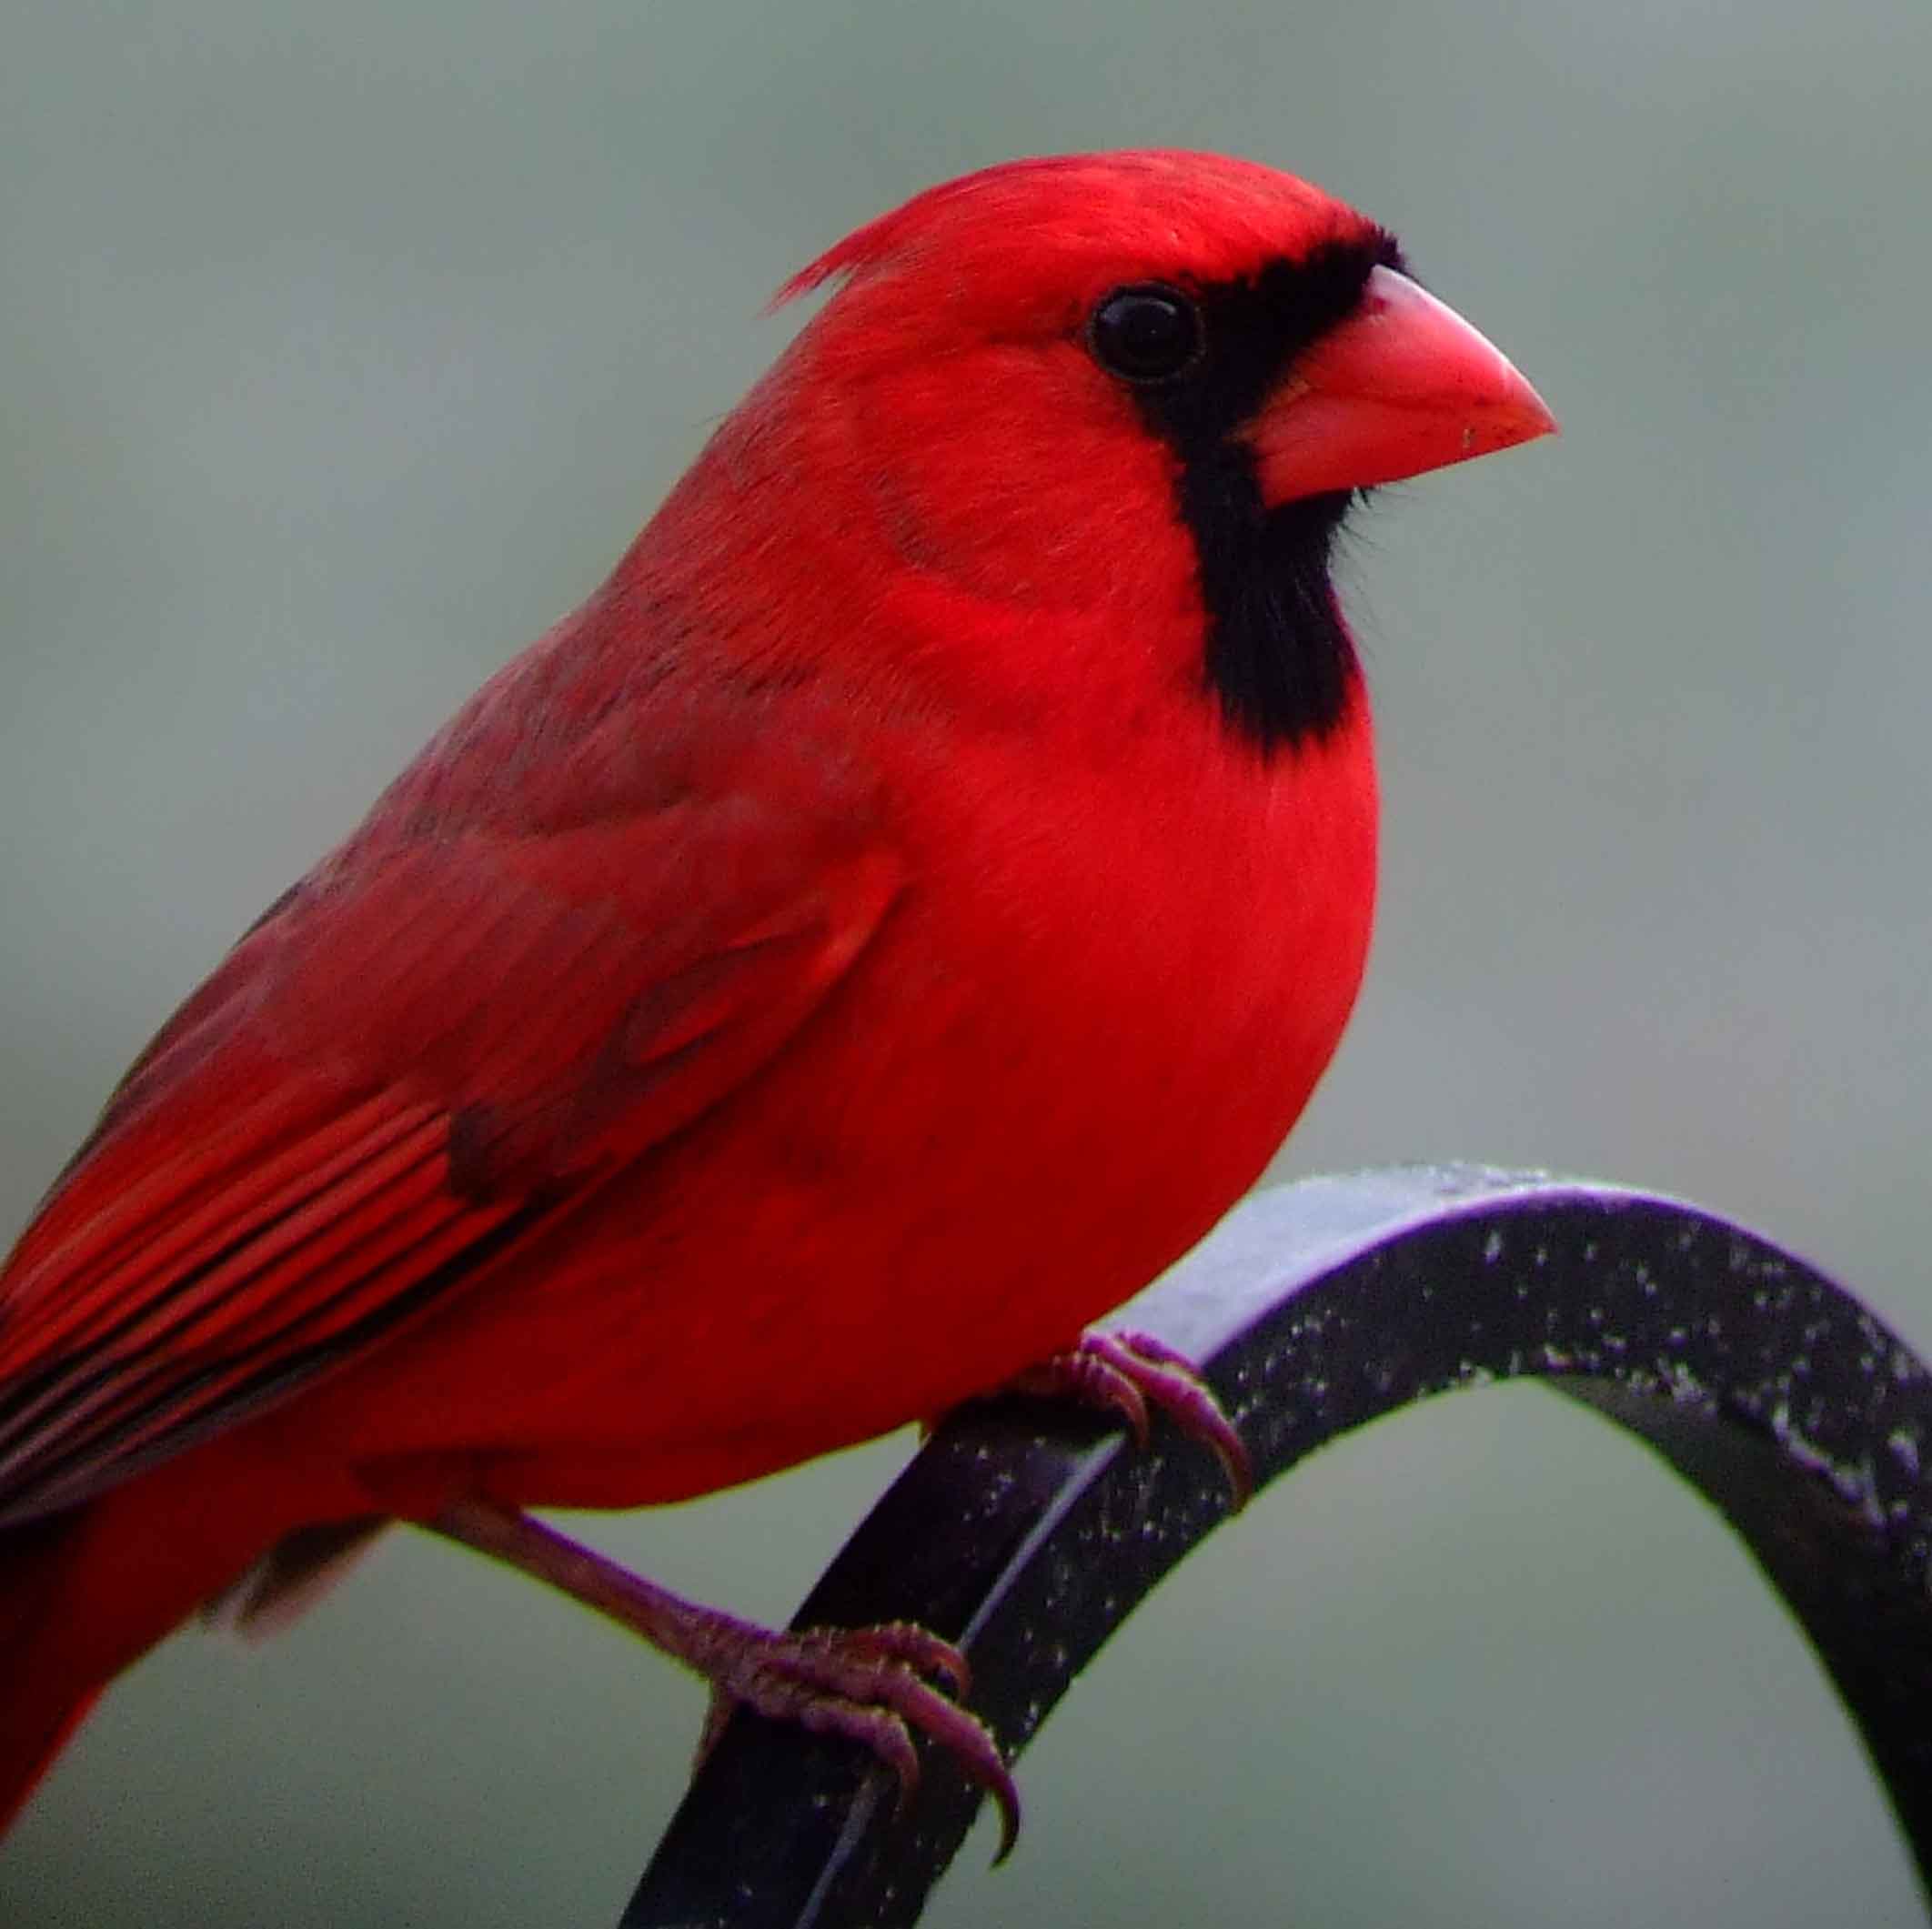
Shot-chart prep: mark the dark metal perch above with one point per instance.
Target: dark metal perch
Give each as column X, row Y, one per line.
column 1028, row 1533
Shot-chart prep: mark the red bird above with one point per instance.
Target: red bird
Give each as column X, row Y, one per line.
column 892, row 920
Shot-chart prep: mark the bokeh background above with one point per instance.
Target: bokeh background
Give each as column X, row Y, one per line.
column 342, row 349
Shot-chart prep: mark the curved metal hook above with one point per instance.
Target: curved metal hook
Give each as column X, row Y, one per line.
column 1030, row 1532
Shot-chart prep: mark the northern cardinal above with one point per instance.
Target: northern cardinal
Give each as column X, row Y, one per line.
column 891, row 921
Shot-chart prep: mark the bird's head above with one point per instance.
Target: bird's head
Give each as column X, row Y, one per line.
column 1141, row 389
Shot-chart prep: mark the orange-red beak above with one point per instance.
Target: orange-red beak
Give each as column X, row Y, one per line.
column 1403, row 385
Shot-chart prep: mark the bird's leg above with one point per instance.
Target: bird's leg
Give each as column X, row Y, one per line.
column 1128, row 1373
column 867, row 1683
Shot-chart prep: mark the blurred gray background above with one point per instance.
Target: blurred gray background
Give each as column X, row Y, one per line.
column 342, row 349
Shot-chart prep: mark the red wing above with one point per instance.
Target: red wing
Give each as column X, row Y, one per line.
column 431, row 1047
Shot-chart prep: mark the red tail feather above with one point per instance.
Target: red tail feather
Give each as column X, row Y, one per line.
column 85, row 1592
column 43, row 1694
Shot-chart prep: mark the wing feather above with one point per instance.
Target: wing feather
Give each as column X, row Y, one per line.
column 434, row 1045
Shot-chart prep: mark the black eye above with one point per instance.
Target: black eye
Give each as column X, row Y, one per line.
column 1146, row 333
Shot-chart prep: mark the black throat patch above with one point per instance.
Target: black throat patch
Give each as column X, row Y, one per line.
column 1279, row 658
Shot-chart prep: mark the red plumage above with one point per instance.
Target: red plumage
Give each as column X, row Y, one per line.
column 853, row 952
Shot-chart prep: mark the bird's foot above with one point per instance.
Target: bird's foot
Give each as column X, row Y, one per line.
column 1132, row 1373
column 874, row 1685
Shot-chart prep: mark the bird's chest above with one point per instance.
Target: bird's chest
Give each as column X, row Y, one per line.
column 1101, row 1003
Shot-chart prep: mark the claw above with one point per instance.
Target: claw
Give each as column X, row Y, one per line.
column 1128, row 1373
column 1171, row 1382
column 866, row 1685
column 904, row 1640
